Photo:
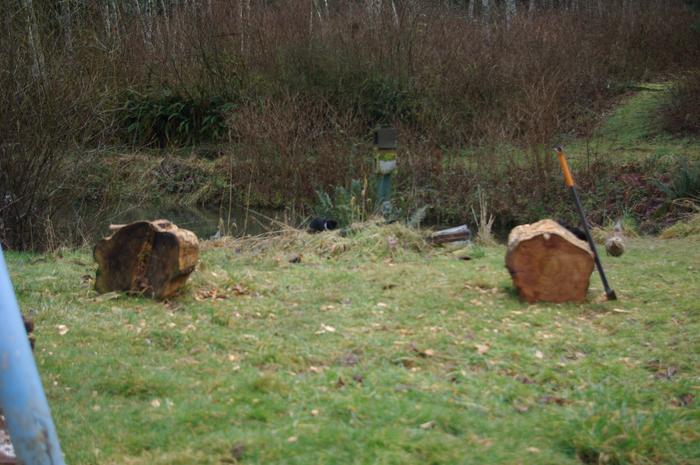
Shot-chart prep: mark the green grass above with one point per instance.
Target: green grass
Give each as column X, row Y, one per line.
column 633, row 130
column 637, row 118
column 370, row 355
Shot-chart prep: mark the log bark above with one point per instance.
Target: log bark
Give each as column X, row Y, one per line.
column 548, row 263
column 153, row 258
column 458, row 233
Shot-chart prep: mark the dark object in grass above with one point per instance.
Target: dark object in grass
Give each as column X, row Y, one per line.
column 553, row 400
column 29, row 328
column 349, row 359
column 666, row 373
column 322, row 224
column 238, row 451
column 684, row 400
column 576, row 231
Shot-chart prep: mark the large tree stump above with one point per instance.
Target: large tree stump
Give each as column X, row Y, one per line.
column 548, row 263
column 153, row 258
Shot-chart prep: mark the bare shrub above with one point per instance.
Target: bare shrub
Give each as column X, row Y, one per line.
column 484, row 220
column 682, row 113
column 296, row 145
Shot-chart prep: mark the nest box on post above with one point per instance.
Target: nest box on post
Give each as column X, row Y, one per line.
column 385, row 155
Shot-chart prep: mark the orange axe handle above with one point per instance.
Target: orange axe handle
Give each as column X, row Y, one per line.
column 568, row 179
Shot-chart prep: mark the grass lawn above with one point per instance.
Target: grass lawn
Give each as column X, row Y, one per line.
column 370, row 352
column 633, row 130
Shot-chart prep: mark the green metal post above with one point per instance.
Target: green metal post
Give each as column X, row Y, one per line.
column 384, row 193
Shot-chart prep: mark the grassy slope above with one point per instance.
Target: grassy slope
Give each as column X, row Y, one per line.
column 634, row 129
column 263, row 378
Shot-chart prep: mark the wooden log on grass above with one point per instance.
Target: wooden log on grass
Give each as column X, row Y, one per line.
column 153, row 258
column 456, row 234
column 548, row 263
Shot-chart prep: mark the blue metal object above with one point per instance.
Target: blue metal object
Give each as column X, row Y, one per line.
column 22, row 397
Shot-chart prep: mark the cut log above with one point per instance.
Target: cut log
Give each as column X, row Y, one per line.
column 153, row 258
column 548, row 263
column 456, row 234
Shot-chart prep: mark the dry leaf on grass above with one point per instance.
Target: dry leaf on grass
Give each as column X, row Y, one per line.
column 524, row 379
column 239, row 289
column 325, row 329
column 619, row 310
column 209, row 294
column 521, row 408
column 684, row 400
column 485, row 442
column 482, row 348
column 107, row 296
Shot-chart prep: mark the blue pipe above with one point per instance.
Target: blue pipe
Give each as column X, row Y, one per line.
column 22, row 397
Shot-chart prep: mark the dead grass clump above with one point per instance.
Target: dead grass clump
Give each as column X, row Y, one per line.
column 687, row 228
column 628, row 228
column 484, row 221
column 373, row 240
